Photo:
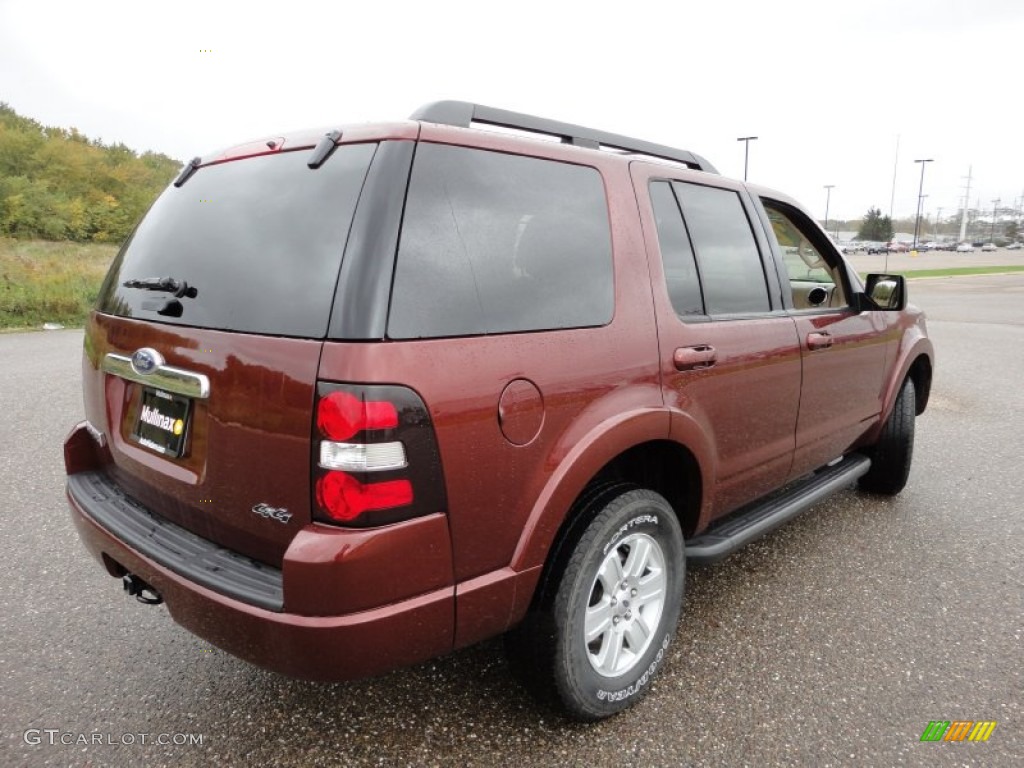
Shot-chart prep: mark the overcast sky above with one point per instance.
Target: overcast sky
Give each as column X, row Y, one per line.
column 828, row 86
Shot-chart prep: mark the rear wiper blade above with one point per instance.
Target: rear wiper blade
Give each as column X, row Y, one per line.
column 323, row 149
column 186, row 172
column 179, row 288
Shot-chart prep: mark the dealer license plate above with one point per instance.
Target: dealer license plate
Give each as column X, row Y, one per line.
column 162, row 424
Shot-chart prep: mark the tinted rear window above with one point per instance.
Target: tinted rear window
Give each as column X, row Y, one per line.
column 260, row 240
column 730, row 264
column 681, row 277
column 496, row 243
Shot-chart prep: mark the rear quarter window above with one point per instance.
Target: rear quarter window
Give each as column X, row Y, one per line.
column 498, row 243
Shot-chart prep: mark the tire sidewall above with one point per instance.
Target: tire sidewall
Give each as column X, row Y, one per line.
column 598, row 696
column 891, row 457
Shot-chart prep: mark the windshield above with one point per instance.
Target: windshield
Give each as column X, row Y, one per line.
column 257, row 243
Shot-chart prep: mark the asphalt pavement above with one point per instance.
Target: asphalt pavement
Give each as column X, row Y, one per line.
column 832, row 642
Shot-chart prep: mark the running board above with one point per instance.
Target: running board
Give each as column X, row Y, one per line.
column 752, row 522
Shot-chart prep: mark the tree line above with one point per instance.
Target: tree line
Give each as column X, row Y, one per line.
column 57, row 184
column 876, row 227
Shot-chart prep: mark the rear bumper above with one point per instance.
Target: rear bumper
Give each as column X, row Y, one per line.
column 192, row 557
column 357, row 644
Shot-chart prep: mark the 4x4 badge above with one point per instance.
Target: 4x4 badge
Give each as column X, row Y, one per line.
column 281, row 514
column 146, row 360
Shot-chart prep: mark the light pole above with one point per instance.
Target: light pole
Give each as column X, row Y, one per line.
column 828, row 199
column 938, row 223
column 995, row 208
column 923, row 216
column 920, row 190
column 746, row 152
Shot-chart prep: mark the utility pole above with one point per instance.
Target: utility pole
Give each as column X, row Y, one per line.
column 746, row 152
column 920, row 197
column 938, row 223
column 963, row 215
column 828, row 198
column 895, row 165
column 995, row 210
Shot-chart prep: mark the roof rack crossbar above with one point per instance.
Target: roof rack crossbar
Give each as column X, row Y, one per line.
column 463, row 114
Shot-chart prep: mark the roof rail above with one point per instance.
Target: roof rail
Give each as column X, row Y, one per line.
column 463, row 114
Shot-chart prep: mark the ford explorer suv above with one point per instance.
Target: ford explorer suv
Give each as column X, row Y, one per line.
column 361, row 396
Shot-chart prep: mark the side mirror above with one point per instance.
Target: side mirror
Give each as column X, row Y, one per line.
column 885, row 292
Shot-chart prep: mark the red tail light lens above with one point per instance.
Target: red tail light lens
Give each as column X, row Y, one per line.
column 374, row 456
column 341, row 415
column 344, row 498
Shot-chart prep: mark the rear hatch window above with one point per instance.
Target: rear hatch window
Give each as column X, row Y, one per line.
column 249, row 245
column 229, row 279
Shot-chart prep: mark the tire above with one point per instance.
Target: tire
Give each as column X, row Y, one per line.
column 891, row 456
column 622, row 579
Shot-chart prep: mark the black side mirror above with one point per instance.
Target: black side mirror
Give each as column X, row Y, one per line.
column 885, row 292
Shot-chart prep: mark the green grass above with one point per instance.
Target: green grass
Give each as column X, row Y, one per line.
column 49, row 282
column 958, row 271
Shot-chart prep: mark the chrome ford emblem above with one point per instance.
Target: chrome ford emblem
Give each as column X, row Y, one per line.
column 146, row 360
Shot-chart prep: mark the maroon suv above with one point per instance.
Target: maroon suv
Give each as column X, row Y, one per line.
column 360, row 398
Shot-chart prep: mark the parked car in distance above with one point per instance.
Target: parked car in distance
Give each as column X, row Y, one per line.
column 407, row 386
column 965, row 248
column 989, row 247
column 1014, row 247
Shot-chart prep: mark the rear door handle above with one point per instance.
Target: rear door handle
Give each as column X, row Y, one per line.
column 694, row 358
column 819, row 340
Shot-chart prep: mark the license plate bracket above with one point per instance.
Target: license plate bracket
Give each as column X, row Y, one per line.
column 162, row 422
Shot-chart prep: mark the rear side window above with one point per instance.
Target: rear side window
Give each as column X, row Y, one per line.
column 676, row 252
column 496, row 243
column 730, row 264
column 257, row 241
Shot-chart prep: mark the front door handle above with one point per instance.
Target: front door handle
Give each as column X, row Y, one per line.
column 819, row 340
column 694, row 358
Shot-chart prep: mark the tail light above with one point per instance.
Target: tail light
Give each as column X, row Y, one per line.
column 375, row 456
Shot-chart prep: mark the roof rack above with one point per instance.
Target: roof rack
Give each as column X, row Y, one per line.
column 464, row 113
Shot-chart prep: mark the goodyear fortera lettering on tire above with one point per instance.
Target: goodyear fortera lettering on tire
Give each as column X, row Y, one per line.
column 625, row 693
column 652, row 519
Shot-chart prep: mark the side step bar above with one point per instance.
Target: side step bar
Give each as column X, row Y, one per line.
column 752, row 522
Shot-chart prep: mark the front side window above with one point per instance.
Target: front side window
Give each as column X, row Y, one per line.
column 730, row 265
column 813, row 281
column 498, row 243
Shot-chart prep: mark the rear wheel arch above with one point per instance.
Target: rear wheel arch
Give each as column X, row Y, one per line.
column 635, row 450
column 665, row 467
